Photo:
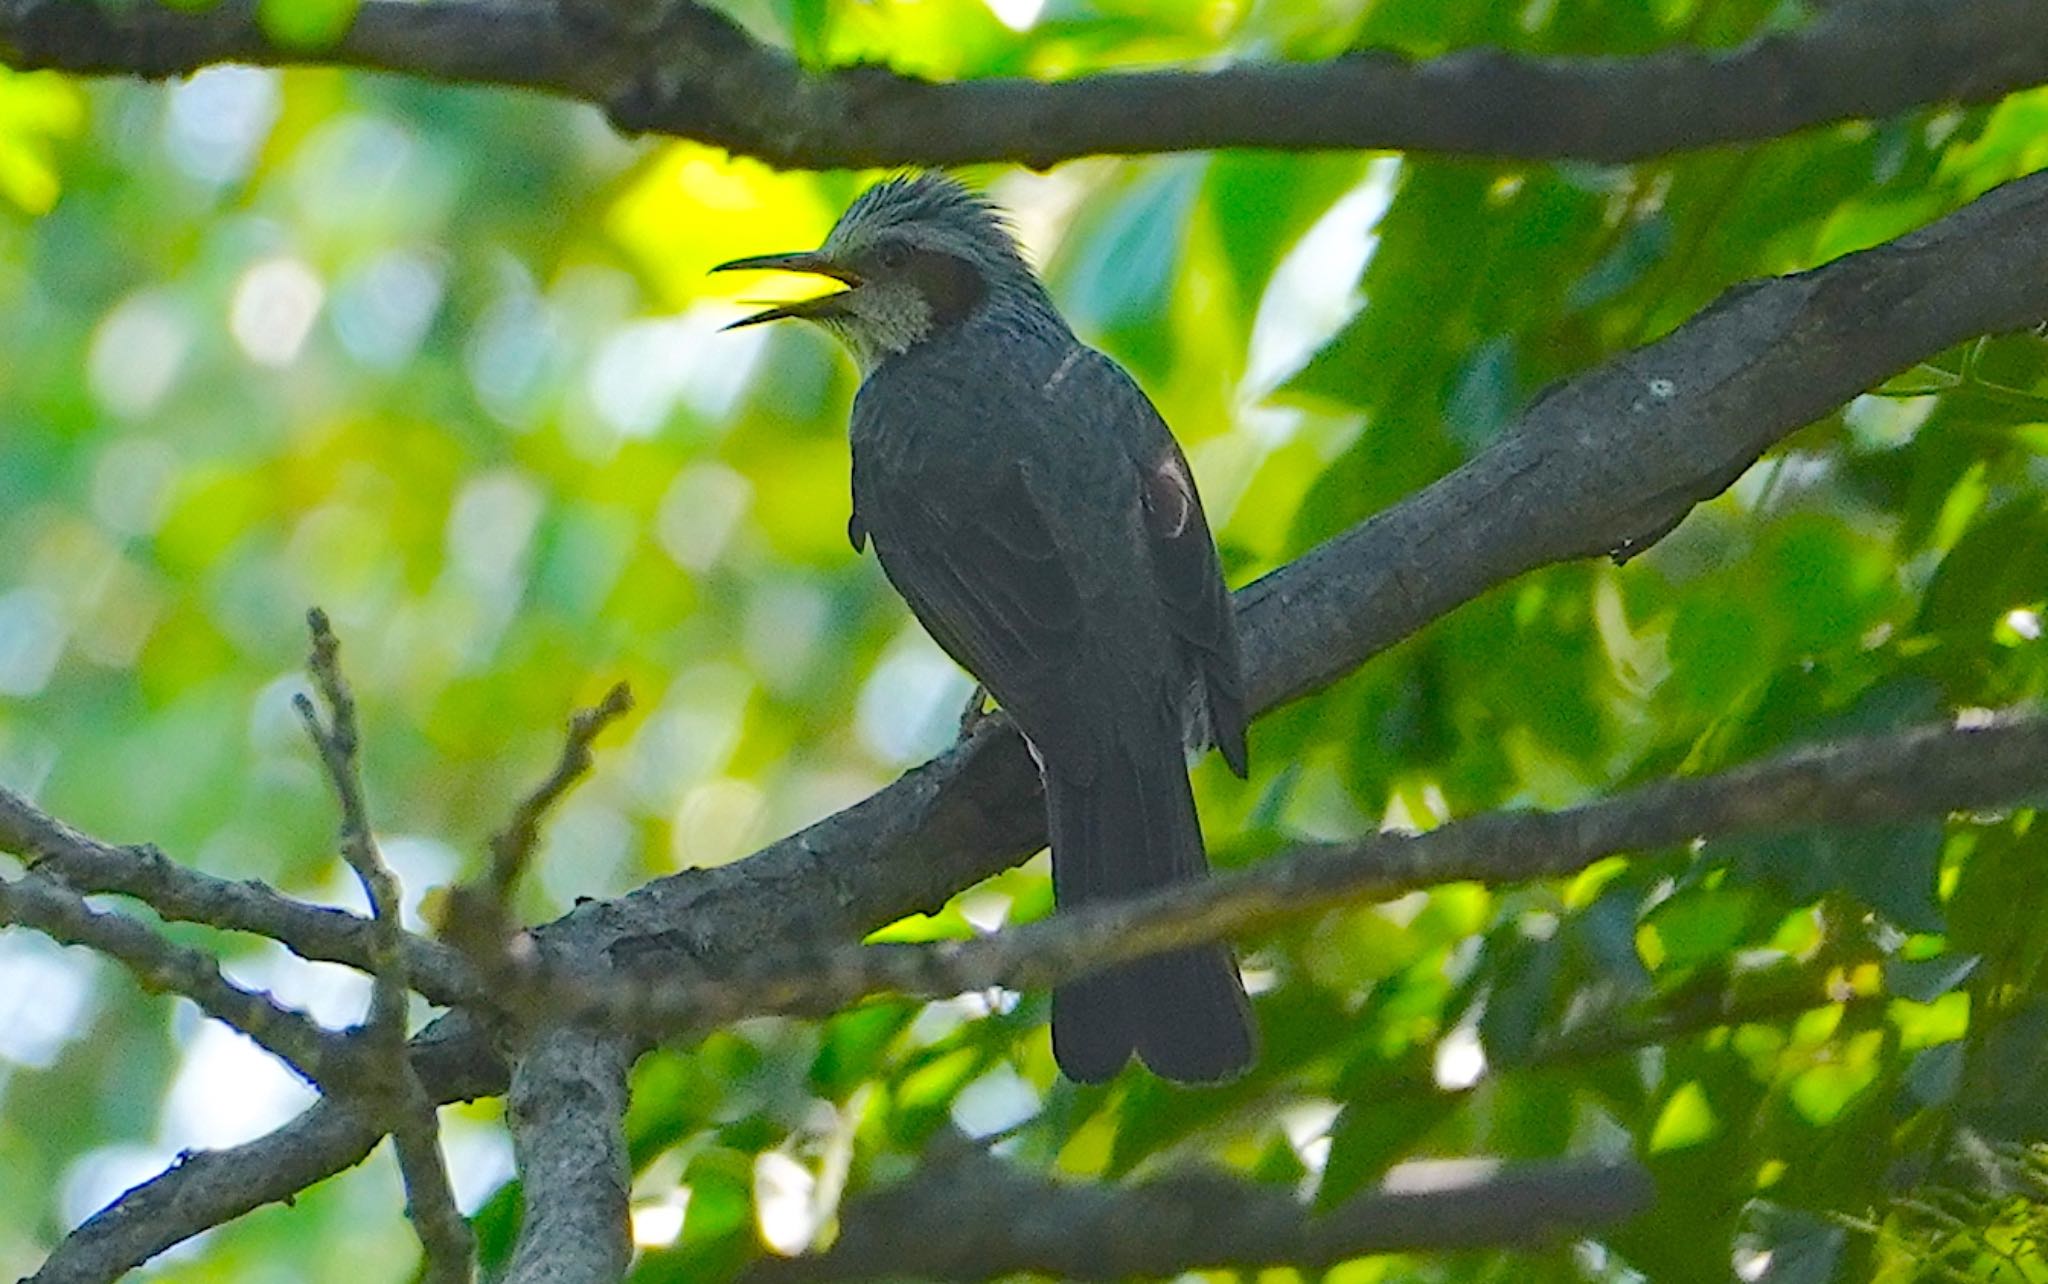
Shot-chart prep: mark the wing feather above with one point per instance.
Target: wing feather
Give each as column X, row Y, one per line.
column 1187, row 574
column 989, row 582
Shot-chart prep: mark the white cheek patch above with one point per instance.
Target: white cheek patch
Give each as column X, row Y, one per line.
column 1169, row 496
column 890, row 318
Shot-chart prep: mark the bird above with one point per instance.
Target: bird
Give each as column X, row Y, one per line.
column 1029, row 503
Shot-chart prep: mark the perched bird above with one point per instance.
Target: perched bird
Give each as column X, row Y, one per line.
column 1028, row 502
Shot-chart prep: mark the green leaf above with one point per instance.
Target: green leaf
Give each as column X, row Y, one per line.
column 1936, row 1074
column 1722, row 645
column 1925, row 980
column 2002, row 562
column 1702, row 925
column 1483, row 396
column 1369, row 1136
column 1891, row 868
column 1794, row 1247
column 1262, row 203
column 1518, row 1005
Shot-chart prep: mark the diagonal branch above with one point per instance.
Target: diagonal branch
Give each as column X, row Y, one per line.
column 978, row 1218
column 415, row 1130
column 327, row 1138
column 319, row 1057
column 699, row 75
column 512, row 849
column 208, row 1188
column 479, row 920
column 1601, row 463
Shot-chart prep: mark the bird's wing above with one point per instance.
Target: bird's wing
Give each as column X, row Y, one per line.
column 1185, row 569
column 989, row 582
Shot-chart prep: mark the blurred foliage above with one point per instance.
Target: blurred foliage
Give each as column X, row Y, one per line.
column 444, row 363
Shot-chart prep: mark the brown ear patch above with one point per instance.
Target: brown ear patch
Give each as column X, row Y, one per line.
column 1169, row 496
column 950, row 286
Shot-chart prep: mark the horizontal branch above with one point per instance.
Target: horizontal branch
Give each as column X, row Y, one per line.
column 697, row 74
column 1602, row 463
column 182, row 894
column 977, row 1218
column 1927, row 771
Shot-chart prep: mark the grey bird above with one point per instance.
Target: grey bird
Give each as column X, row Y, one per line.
column 1029, row 503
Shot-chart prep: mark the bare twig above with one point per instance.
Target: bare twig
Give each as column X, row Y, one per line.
column 698, row 74
column 1927, row 771
column 320, row 1057
column 88, row 865
column 978, row 1218
column 512, row 848
column 478, row 919
column 415, row 1131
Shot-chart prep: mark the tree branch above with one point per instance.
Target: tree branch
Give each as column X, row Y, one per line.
column 445, row 1240
column 1599, row 464
column 208, row 1188
column 318, row 1056
column 567, row 1116
column 697, row 74
column 512, row 848
column 1927, row 771
column 479, row 917
column 88, row 866
column 977, row 1218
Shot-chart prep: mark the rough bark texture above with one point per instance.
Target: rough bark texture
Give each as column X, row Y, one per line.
column 567, row 1106
column 688, row 70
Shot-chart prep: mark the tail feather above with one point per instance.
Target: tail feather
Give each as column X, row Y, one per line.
column 1131, row 828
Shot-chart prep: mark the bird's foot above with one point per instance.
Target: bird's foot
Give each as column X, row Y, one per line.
column 974, row 711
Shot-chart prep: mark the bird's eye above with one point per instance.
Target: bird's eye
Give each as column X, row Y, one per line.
column 893, row 254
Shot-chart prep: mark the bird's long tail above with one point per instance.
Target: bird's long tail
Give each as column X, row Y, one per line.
column 1131, row 829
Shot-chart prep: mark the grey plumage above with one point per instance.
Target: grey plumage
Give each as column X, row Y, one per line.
column 1032, row 508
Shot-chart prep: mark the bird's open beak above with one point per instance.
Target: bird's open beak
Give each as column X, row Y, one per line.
column 809, row 263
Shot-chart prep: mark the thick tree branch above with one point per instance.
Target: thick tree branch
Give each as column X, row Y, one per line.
column 693, row 72
column 1604, row 461
column 1609, row 461
column 404, row 1105
column 567, row 1115
column 1927, row 771
column 977, row 1218
column 89, row 866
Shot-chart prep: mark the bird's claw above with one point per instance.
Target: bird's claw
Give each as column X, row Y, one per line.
column 974, row 711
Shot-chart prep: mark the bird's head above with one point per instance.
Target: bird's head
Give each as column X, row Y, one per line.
column 917, row 255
